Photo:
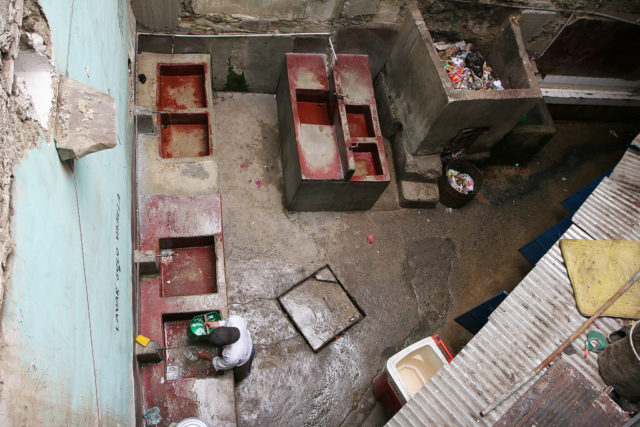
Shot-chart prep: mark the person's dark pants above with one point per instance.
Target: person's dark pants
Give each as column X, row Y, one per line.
column 241, row 372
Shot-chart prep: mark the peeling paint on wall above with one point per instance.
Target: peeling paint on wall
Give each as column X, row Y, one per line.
column 67, row 321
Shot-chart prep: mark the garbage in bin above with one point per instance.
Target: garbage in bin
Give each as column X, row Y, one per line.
column 466, row 67
column 460, row 181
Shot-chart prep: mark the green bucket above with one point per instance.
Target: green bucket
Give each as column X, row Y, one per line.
column 196, row 331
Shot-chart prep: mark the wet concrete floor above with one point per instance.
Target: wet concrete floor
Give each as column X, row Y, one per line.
column 424, row 267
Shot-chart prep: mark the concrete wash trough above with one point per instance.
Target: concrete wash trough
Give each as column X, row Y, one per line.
column 332, row 151
column 186, row 234
column 432, row 115
column 176, row 149
column 181, row 87
column 320, row 308
column 180, row 225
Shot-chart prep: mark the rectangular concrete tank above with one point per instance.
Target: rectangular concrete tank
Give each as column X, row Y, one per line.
column 333, row 157
column 434, row 116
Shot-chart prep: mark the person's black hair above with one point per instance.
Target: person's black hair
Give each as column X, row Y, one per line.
column 224, row 335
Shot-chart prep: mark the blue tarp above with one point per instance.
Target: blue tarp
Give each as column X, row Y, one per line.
column 474, row 319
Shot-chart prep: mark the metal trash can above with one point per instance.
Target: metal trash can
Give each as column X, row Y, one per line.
column 451, row 197
column 619, row 365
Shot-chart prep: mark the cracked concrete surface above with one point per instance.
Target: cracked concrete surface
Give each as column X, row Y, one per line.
column 424, row 267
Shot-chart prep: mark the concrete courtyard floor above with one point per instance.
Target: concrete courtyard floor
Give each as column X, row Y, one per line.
column 424, row 268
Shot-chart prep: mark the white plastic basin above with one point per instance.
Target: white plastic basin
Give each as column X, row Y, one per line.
column 411, row 368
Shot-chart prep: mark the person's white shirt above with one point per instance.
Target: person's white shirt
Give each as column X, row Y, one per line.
column 239, row 352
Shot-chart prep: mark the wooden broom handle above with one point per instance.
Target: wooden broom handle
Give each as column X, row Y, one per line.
column 588, row 323
column 564, row 345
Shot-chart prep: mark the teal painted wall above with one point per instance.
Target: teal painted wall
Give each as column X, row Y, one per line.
column 67, row 321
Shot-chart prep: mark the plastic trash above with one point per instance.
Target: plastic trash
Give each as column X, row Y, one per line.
column 475, row 62
column 596, row 342
column 191, row 353
column 466, row 67
column 459, row 181
column 152, row 416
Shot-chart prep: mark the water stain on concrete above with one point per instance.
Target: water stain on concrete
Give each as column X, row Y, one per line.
column 195, row 170
column 424, row 267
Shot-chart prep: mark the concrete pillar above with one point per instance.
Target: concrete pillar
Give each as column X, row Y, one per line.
column 157, row 15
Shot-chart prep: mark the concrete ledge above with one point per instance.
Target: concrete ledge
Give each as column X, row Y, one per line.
column 147, row 262
column 149, row 354
column 418, row 194
column 590, row 97
column 86, row 120
column 145, row 123
column 415, row 168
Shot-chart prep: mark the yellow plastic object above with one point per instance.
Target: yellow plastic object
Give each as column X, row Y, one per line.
column 142, row 340
column 597, row 269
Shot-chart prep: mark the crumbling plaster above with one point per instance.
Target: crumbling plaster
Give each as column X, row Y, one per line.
column 50, row 220
column 24, row 41
column 21, row 22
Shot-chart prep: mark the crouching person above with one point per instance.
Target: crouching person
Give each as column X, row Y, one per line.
column 238, row 351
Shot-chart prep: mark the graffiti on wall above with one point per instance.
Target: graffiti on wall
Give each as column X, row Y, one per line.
column 118, row 270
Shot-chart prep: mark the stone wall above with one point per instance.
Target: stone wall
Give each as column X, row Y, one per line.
column 223, row 16
column 261, row 59
column 479, row 22
column 476, row 22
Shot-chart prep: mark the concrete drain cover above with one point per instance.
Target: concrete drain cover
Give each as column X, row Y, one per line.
column 320, row 308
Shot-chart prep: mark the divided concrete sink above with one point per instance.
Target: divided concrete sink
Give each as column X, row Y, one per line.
column 184, row 135
column 332, row 151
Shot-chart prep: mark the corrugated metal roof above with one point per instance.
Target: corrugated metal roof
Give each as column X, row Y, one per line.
column 610, row 213
column 529, row 324
column 627, row 173
column 538, row 315
column 563, row 396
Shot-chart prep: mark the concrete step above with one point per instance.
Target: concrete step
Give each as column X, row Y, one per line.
column 415, row 168
column 413, row 194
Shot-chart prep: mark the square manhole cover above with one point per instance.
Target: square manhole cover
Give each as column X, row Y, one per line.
column 320, row 308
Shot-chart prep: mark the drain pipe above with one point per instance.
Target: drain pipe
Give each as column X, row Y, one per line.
column 335, row 57
column 238, row 35
column 233, row 35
